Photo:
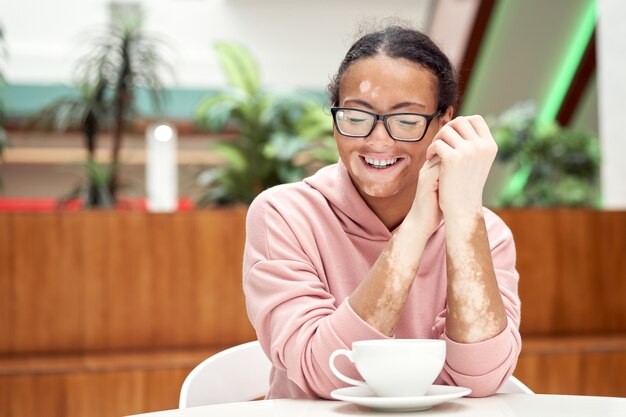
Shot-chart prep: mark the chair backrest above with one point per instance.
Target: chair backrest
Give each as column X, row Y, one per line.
column 514, row 386
column 240, row 373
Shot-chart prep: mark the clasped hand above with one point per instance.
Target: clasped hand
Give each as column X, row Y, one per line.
column 452, row 179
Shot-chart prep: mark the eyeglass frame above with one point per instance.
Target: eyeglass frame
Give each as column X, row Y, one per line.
column 429, row 118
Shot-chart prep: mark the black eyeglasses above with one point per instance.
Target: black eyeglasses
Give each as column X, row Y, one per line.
column 403, row 127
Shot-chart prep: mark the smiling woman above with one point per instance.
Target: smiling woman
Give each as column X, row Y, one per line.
column 406, row 90
column 392, row 241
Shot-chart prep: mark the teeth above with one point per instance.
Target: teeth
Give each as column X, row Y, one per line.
column 381, row 163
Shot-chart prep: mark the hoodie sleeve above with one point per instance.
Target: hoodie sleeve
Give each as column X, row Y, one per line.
column 486, row 365
column 297, row 320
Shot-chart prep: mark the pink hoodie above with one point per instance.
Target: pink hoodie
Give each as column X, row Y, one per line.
column 308, row 246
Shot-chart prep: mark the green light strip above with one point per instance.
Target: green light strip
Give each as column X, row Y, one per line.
column 562, row 81
column 517, row 182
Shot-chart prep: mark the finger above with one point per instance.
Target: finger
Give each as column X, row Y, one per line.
column 435, row 160
column 464, row 127
column 480, row 125
column 449, row 135
column 439, row 148
column 429, row 174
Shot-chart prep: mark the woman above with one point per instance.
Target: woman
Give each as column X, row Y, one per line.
column 393, row 240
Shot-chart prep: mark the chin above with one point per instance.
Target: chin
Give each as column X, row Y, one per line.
column 379, row 191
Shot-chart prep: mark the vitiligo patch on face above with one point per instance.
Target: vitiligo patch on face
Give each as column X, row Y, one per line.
column 364, row 86
column 368, row 183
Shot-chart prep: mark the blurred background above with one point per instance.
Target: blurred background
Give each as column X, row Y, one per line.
column 133, row 134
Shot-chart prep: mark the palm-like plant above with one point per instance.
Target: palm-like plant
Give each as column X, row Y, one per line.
column 281, row 134
column 89, row 112
column 121, row 60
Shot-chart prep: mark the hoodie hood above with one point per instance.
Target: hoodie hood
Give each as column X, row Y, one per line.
column 335, row 184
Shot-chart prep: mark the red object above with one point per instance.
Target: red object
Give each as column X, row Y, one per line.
column 51, row 204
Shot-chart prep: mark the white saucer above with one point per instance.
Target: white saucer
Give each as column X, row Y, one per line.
column 363, row 395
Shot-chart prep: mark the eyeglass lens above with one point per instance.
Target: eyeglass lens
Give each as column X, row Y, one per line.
column 402, row 126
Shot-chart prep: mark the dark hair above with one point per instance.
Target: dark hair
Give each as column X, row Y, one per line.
column 400, row 42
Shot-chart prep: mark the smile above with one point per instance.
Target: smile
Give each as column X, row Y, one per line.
column 380, row 163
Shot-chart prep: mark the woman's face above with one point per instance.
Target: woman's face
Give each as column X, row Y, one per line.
column 385, row 85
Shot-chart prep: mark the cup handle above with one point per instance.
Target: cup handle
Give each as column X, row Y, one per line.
column 331, row 362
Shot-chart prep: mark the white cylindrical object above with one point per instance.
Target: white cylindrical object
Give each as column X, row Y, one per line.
column 611, row 101
column 161, row 168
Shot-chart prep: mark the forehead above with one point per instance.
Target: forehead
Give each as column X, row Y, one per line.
column 385, row 81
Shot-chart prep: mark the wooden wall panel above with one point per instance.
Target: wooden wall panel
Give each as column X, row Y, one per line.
column 7, row 282
column 111, row 386
column 80, row 292
column 109, row 280
column 124, row 280
column 572, row 265
column 576, row 366
column 98, row 384
column 102, row 394
column 44, row 307
column 62, row 273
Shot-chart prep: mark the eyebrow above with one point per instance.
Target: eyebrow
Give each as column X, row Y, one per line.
column 394, row 107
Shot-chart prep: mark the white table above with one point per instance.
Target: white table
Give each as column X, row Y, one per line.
column 501, row 405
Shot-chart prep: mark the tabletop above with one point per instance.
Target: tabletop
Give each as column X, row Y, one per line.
column 509, row 405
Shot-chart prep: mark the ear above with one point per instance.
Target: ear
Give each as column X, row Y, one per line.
column 447, row 116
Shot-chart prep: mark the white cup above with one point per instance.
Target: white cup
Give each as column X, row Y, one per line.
column 394, row 367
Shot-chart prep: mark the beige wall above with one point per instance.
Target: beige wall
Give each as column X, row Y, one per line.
column 299, row 43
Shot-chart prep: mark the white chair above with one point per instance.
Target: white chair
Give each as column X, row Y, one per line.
column 514, row 386
column 242, row 373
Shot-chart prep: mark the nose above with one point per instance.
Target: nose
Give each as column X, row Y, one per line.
column 379, row 138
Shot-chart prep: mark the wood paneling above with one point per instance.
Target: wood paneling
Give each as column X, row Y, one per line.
column 109, row 280
column 94, row 394
column 121, row 280
column 574, row 365
column 104, row 313
column 115, row 384
column 105, row 362
column 572, row 266
column 96, row 385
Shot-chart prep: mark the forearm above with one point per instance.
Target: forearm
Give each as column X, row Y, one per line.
column 475, row 308
column 381, row 296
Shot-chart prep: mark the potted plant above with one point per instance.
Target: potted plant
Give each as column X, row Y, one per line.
column 543, row 165
column 280, row 135
column 122, row 60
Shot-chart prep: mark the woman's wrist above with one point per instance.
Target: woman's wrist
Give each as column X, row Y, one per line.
column 466, row 213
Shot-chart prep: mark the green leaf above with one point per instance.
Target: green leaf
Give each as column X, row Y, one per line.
column 280, row 131
column 214, row 112
column 239, row 66
column 98, row 174
column 315, row 123
column 233, row 156
column 283, row 147
column 209, row 176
